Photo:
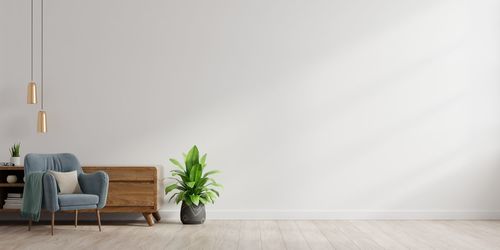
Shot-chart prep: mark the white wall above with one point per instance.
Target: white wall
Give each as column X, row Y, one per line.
column 325, row 109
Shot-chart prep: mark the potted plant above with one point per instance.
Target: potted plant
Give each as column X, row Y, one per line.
column 194, row 187
column 15, row 154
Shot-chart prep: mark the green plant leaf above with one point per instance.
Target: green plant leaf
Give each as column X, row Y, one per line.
column 211, row 172
column 212, row 195
column 192, row 174
column 210, row 199
column 199, row 171
column 190, row 184
column 180, row 197
column 183, row 179
column 15, row 150
column 203, row 200
column 213, row 183
column 172, row 197
column 188, row 201
column 202, row 182
column 192, row 157
column 170, row 188
column 177, row 163
column 206, row 197
column 195, row 199
column 178, row 172
column 215, row 191
column 177, row 180
column 203, row 160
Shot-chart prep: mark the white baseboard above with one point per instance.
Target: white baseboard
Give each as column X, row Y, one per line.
column 173, row 215
column 340, row 215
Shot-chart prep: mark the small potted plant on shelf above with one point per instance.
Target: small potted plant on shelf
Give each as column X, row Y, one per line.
column 194, row 187
column 15, row 154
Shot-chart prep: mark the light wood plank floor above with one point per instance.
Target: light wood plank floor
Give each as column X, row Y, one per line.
column 217, row 234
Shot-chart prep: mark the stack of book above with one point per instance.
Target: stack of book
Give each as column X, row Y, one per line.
column 13, row 201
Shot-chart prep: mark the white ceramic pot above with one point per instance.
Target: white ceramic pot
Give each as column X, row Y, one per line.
column 16, row 161
column 11, row 179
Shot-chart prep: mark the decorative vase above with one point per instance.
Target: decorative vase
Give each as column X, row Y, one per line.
column 193, row 214
column 16, row 161
column 11, row 179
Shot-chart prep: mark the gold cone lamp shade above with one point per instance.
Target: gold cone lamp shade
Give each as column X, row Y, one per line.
column 32, row 96
column 42, row 122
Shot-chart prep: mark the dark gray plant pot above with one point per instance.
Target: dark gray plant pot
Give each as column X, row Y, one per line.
column 193, row 214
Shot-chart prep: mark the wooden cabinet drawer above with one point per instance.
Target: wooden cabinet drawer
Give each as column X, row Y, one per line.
column 131, row 194
column 126, row 173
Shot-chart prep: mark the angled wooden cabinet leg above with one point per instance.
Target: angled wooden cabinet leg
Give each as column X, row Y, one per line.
column 29, row 225
column 149, row 218
column 157, row 216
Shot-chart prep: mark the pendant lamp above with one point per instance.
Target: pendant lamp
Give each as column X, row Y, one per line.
column 32, row 95
column 42, row 115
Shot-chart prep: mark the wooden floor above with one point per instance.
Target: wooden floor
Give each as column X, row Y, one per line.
column 261, row 235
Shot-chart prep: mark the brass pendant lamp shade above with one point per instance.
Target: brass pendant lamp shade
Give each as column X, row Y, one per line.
column 32, row 95
column 42, row 122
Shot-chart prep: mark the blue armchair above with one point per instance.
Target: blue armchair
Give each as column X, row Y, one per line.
column 94, row 186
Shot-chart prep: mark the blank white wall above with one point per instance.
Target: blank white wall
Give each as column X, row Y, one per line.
column 328, row 109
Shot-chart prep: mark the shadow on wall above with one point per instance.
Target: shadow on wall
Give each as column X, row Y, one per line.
column 438, row 176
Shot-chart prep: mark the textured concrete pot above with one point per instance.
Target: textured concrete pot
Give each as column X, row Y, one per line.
column 16, row 161
column 193, row 214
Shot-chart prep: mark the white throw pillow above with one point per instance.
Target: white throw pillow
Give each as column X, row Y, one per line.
column 67, row 182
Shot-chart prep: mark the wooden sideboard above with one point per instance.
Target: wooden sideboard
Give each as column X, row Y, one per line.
column 131, row 189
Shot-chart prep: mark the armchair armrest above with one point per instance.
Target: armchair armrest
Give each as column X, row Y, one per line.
column 95, row 183
column 50, row 199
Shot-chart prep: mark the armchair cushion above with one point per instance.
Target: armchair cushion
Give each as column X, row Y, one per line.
column 66, row 200
column 79, row 207
column 67, row 182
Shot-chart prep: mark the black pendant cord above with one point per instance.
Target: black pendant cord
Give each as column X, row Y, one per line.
column 31, row 40
column 41, row 55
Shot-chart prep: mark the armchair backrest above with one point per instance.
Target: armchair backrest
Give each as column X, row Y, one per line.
column 64, row 162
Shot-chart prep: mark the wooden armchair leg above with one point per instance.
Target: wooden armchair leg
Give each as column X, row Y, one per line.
column 76, row 218
column 29, row 225
column 52, row 224
column 98, row 219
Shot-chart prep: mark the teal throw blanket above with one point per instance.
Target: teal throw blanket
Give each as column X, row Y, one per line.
column 32, row 196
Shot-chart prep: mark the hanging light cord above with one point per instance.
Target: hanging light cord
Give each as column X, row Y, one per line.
column 41, row 54
column 31, row 40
